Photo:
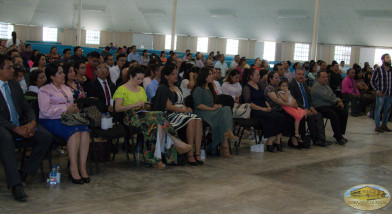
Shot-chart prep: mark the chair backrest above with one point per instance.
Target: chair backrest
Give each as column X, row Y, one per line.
column 226, row 100
column 189, row 102
column 89, row 101
column 34, row 105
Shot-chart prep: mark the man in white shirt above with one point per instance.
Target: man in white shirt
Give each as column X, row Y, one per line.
column 341, row 68
column 222, row 65
column 115, row 71
column 109, row 61
column 234, row 63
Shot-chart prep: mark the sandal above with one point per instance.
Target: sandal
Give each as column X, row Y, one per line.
column 200, row 162
column 298, row 137
column 159, row 165
column 189, row 162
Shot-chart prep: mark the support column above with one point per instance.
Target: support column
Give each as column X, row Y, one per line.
column 313, row 53
column 173, row 29
column 79, row 32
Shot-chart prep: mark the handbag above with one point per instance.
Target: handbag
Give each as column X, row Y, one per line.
column 93, row 113
column 241, row 110
column 75, row 119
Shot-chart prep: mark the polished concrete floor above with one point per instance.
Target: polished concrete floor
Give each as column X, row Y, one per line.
column 295, row 181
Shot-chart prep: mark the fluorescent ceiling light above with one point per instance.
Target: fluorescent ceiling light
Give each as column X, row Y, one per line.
column 377, row 18
column 154, row 12
column 93, row 8
column 292, row 17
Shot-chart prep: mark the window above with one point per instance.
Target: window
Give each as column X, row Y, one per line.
column 269, row 51
column 49, row 34
column 378, row 53
column 168, row 42
column 232, row 47
column 202, row 44
column 93, row 37
column 301, row 52
column 343, row 53
column 6, row 30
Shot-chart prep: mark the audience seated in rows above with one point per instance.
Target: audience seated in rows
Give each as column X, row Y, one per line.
column 18, row 122
column 152, row 124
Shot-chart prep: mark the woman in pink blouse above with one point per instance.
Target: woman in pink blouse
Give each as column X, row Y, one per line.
column 54, row 99
column 231, row 85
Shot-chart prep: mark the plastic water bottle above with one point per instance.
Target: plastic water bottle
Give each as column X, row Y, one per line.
column 58, row 174
column 138, row 154
column 104, row 124
column 52, row 176
column 203, row 154
column 109, row 120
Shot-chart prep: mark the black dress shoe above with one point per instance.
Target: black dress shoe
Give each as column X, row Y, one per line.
column 18, row 193
column 345, row 139
column 341, row 142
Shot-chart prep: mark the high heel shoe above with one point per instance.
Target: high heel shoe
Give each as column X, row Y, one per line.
column 199, row 162
column 85, row 180
column 279, row 147
column 271, row 148
column 191, row 163
column 184, row 148
column 70, row 178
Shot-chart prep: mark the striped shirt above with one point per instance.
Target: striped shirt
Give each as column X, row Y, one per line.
column 381, row 80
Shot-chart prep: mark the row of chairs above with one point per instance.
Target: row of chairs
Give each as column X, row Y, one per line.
column 120, row 130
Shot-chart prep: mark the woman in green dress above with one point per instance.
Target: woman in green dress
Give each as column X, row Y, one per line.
column 217, row 116
column 159, row 135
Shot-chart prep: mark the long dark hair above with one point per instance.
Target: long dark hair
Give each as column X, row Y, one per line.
column 247, row 74
column 34, row 76
column 51, row 70
column 201, row 81
column 271, row 76
column 231, row 74
column 187, row 68
column 66, row 68
column 167, row 70
column 37, row 59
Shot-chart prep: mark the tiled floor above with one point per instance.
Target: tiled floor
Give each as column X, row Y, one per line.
column 295, row 181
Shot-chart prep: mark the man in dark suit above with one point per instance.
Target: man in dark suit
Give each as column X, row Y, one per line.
column 17, row 122
column 102, row 87
column 300, row 91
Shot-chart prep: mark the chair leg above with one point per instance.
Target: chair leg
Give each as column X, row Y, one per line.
column 41, row 167
column 50, row 159
column 115, row 152
column 133, row 150
column 95, row 155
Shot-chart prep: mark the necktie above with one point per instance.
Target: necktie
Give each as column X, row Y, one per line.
column 11, row 104
column 304, row 96
column 355, row 89
column 107, row 93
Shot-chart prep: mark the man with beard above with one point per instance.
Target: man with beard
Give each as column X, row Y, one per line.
column 381, row 82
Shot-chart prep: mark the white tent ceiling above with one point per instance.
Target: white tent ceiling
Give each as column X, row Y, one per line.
column 351, row 22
